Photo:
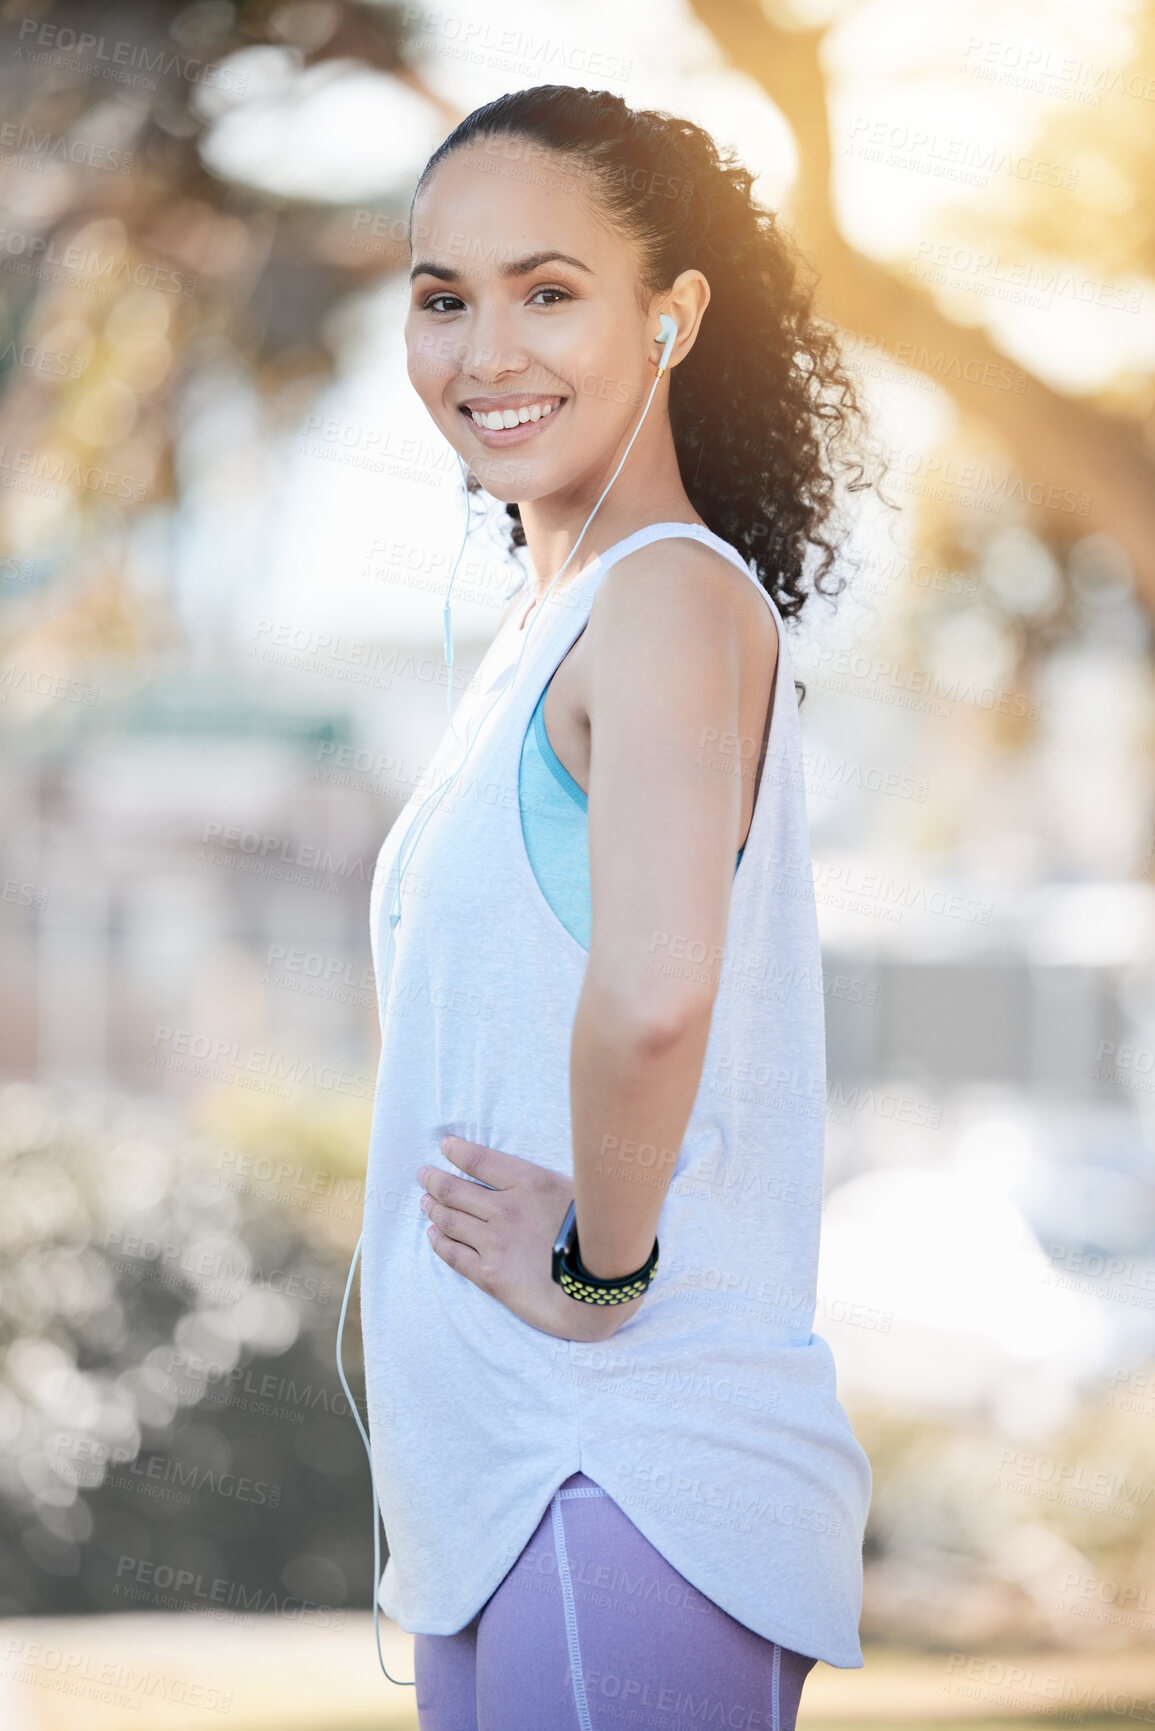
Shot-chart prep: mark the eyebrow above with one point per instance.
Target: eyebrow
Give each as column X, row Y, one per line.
column 516, row 267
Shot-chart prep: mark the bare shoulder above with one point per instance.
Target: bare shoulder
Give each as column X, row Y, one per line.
column 679, row 589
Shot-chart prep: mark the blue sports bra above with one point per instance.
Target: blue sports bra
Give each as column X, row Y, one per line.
column 554, row 825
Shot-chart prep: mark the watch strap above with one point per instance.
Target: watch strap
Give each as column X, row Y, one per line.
column 578, row 1283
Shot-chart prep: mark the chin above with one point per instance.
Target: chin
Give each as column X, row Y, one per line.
column 497, row 483
column 510, row 483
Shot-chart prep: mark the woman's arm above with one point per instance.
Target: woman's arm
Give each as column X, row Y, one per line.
column 673, row 631
column 673, row 659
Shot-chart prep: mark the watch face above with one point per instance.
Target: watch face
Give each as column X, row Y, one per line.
column 567, row 1231
column 566, row 1237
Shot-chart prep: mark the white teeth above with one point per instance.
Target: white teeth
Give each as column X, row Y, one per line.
column 497, row 419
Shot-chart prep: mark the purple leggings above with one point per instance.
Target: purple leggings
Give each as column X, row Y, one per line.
column 592, row 1630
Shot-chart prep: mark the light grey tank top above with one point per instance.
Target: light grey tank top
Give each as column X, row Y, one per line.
column 711, row 1417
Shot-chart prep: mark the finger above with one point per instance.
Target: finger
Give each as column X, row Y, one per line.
column 465, row 1228
column 459, row 1257
column 459, row 1193
column 490, row 1166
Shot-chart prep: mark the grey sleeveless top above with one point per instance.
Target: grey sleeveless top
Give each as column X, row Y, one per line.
column 711, row 1417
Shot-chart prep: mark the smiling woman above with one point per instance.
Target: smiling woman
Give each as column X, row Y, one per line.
column 588, row 1004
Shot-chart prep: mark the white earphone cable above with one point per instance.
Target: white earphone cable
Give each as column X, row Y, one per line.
column 395, row 913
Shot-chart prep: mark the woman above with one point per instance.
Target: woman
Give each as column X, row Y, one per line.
column 596, row 944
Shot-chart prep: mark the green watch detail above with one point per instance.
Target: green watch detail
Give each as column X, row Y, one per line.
column 588, row 1288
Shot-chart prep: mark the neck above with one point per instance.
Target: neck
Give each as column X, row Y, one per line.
column 648, row 490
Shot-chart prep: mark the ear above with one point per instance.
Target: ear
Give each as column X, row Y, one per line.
column 685, row 301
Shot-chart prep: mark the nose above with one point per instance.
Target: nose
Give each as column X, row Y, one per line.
column 491, row 349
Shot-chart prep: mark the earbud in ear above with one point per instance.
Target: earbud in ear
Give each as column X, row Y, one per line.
column 667, row 335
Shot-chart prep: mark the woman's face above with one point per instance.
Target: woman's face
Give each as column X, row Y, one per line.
column 525, row 303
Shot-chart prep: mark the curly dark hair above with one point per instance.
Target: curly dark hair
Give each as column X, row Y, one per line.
column 761, row 408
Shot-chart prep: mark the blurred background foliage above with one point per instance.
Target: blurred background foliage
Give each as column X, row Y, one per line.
column 168, row 1333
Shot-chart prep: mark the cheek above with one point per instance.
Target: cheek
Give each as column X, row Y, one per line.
column 429, row 362
column 604, row 372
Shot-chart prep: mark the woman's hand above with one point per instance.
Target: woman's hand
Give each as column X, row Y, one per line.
column 502, row 1238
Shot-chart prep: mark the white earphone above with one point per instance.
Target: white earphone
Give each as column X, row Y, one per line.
column 667, row 336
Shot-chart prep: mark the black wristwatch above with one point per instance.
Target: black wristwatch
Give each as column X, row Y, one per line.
column 588, row 1288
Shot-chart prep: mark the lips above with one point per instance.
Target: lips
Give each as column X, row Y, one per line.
column 510, row 420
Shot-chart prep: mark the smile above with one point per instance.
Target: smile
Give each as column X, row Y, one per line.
column 513, row 425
